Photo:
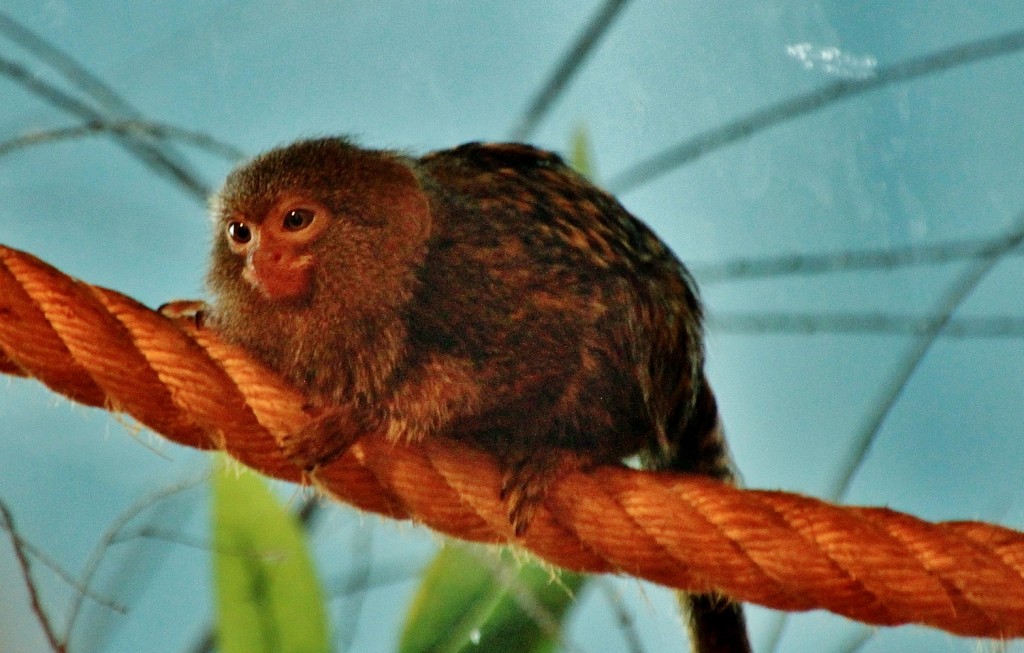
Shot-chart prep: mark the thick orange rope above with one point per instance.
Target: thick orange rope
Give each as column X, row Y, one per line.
column 781, row 550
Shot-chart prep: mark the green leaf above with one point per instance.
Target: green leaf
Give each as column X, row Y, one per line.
column 530, row 614
column 268, row 597
column 456, row 595
column 581, row 157
column 475, row 600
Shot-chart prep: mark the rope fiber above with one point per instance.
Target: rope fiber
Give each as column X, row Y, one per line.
column 781, row 550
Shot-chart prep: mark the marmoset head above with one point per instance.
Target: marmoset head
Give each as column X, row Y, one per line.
column 319, row 217
column 311, row 240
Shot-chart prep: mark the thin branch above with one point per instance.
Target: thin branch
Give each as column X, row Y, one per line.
column 861, row 640
column 206, row 643
column 348, row 623
column 165, row 157
column 63, row 63
column 778, row 630
column 111, row 536
column 567, row 68
column 786, row 110
column 197, row 543
column 949, row 302
column 47, row 92
column 762, row 120
column 68, row 578
column 309, row 511
column 146, row 152
column 627, row 624
column 942, row 319
column 843, row 261
column 123, row 127
column 387, row 573
column 867, row 323
column 26, row 573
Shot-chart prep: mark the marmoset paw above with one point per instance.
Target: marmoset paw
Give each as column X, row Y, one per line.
column 325, row 438
column 193, row 310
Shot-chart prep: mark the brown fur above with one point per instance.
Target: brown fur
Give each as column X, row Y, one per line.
column 486, row 293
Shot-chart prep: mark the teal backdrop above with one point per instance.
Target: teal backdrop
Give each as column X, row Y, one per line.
column 802, row 362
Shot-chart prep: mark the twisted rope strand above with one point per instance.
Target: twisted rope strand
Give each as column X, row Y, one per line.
column 781, row 550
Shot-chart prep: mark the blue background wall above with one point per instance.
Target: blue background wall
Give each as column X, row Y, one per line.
column 934, row 160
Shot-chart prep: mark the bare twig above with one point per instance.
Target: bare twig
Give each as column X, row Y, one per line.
column 567, row 68
column 26, row 573
column 786, row 110
column 955, row 294
column 155, row 154
column 156, row 130
column 844, row 261
column 111, row 536
column 941, row 320
column 63, row 63
column 627, row 624
column 68, row 578
column 386, row 573
column 146, row 152
column 867, row 323
column 362, row 553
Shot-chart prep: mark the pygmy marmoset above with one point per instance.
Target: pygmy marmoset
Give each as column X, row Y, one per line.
column 486, row 293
